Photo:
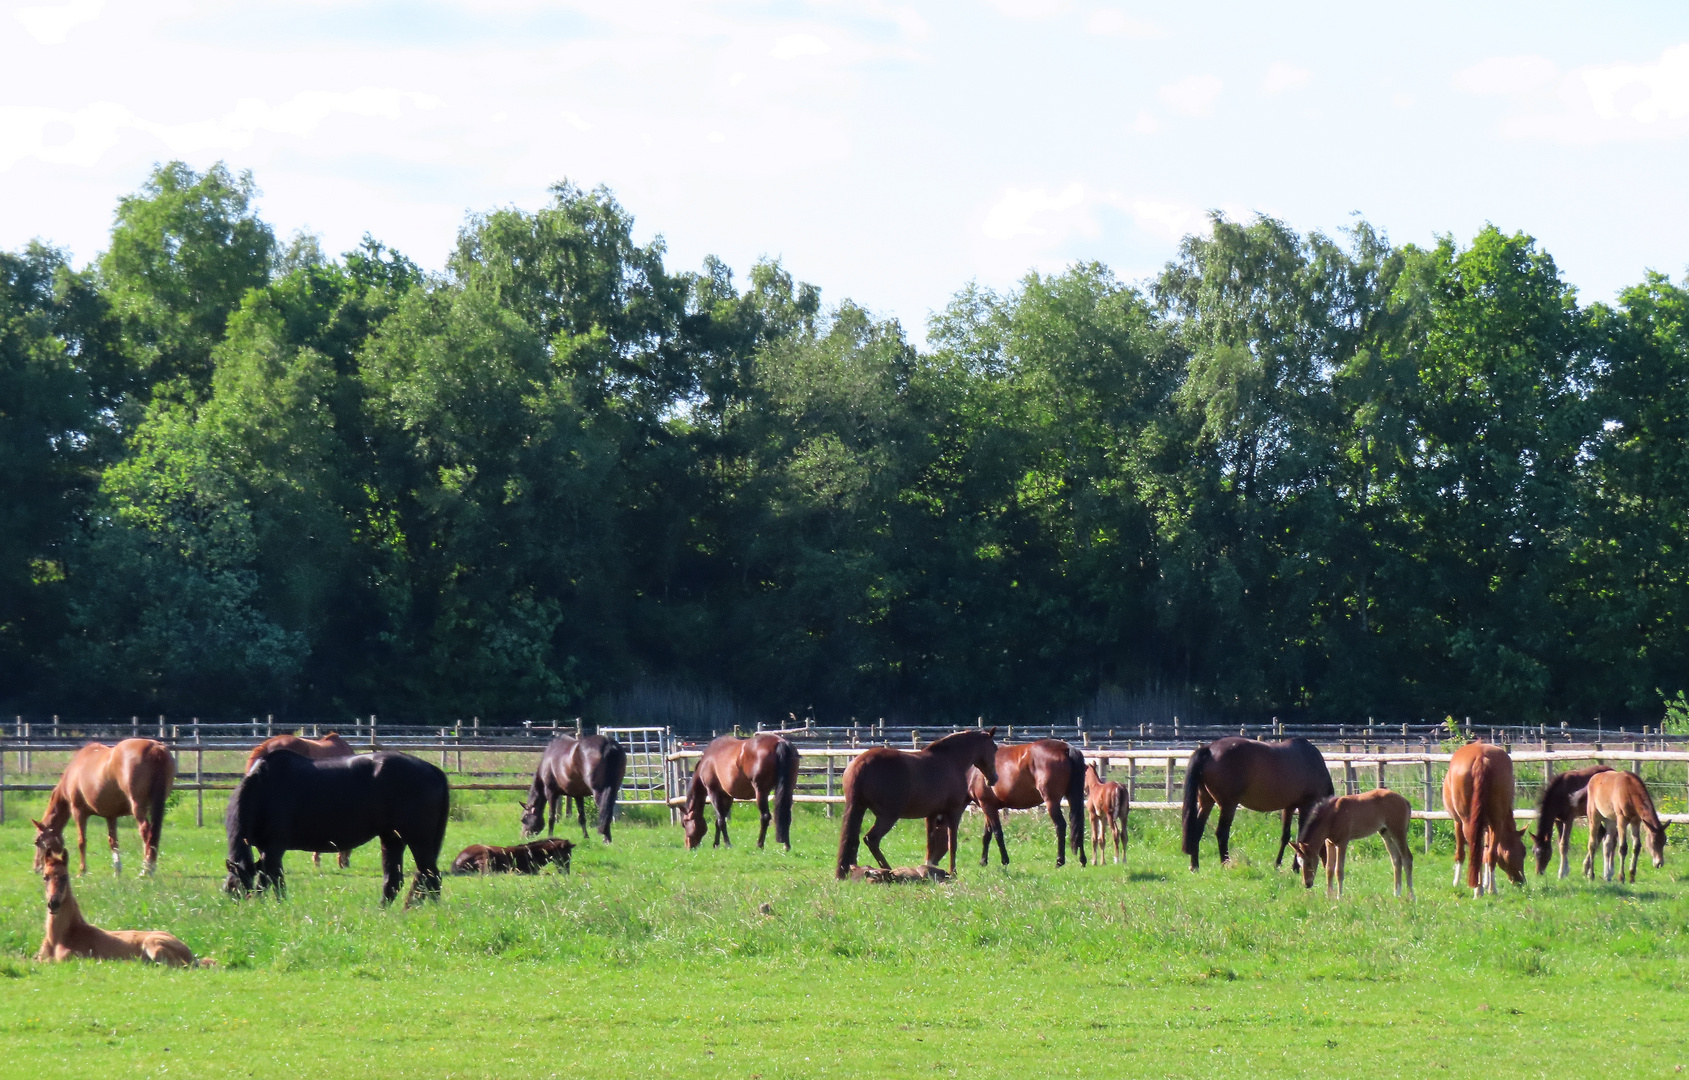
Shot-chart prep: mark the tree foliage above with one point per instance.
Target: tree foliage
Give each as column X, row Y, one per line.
column 1294, row 473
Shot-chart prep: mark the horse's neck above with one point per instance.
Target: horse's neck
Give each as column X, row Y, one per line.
column 61, row 924
column 58, row 809
column 696, row 793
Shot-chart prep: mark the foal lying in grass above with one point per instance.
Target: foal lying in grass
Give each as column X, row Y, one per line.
column 1336, row 821
column 70, row 936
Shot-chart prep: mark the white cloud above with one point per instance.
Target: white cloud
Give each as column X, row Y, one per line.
column 1404, row 102
column 792, row 46
column 1193, row 96
column 1050, row 217
column 1598, row 103
column 1034, row 212
column 79, row 138
column 1108, row 22
column 51, row 24
column 1507, row 75
column 573, row 119
column 1146, row 123
column 1172, row 221
column 1282, row 77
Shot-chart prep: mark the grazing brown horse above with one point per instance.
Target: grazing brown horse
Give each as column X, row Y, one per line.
column 1478, row 794
column 1288, row 777
column 70, row 936
column 930, row 783
column 1032, row 774
column 529, row 858
column 1619, row 806
column 576, row 768
column 1561, row 803
column 131, row 779
column 1107, row 802
column 750, row 768
column 1332, row 823
column 324, row 749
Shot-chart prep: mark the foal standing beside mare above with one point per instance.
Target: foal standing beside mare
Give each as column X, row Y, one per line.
column 1109, row 805
column 931, row 783
column 1619, row 807
column 1040, row 773
column 1332, row 823
column 575, row 768
column 324, row 749
column 1478, row 794
column 132, row 778
column 1561, row 803
column 733, row 768
column 291, row 803
column 1289, row 777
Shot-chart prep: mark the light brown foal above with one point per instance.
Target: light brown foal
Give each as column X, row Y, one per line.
column 70, row 936
column 1106, row 801
column 1619, row 806
column 132, row 778
column 1334, row 822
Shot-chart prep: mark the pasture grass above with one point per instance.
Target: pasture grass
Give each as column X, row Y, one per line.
column 650, row 960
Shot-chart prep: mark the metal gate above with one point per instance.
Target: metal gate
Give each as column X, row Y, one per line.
column 643, row 785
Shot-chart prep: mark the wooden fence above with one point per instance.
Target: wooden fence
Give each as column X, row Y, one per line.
column 1145, row 771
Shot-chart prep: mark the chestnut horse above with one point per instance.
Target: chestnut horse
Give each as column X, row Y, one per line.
column 575, row 768
column 131, row 779
column 930, row 783
column 1561, row 803
column 1032, row 774
column 1478, row 794
column 750, row 768
column 1108, row 807
column 324, row 749
column 1619, row 806
column 1289, row 777
column 70, row 936
column 1108, row 804
column 1332, row 823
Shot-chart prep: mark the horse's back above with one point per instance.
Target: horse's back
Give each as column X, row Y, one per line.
column 1269, row 776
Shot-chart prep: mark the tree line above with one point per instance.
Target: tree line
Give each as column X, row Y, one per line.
column 1311, row 475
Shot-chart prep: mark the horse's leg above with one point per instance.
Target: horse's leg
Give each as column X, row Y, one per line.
column 551, row 814
column 270, row 873
column 1565, row 828
column 1633, row 831
column 1053, row 806
column 1204, row 807
column 762, row 809
column 392, row 867
column 116, row 855
column 1223, row 831
column 723, row 803
column 316, row 858
column 882, row 825
column 953, row 823
column 82, row 840
column 345, row 859
column 1459, row 849
column 1594, row 841
column 997, row 831
column 1342, row 867
column 1284, row 842
column 937, row 840
column 580, row 805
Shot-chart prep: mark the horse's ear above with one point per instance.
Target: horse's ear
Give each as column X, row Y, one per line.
column 991, row 731
column 38, row 826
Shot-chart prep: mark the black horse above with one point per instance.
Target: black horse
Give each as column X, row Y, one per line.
column 291, row 803
column 576, row 768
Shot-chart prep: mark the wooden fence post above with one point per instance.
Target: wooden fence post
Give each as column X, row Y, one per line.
column 457, row 737
column 1170, row 763
column 199, row 778
column 829, row 776
column 443, row 750
column 2, row 778
column 1380, row 768
column 1348, row 771
column 1428, row 827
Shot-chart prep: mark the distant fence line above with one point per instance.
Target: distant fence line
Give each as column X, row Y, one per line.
column 661, row 763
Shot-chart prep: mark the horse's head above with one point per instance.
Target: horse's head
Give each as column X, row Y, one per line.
column 55, row 871
column 1542, row 847
column 986, row 760
column 1513, row 858
column 1310, row 859
column 1657, row 843
column 533, row 816
column 47, row 841
column 692, row 823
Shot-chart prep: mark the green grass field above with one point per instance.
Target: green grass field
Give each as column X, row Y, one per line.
column 739, row 963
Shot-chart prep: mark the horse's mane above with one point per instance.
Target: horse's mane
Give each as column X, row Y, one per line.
column 957, row 737
column 1321, row 810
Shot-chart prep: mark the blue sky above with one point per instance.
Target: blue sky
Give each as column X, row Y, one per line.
column 889, row 152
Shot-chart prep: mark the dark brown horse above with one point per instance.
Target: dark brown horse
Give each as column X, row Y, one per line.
column 931, row 783
column 131, row 779
column 1041, row 773
column 529, row 858
column 1562, row 802
column 575, row 768
column 1478, row 794
column 1286, row 777
column 752, row 768
column 327, row 748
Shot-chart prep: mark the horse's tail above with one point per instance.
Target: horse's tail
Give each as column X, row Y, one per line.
column 615, row 766
column 1193, row 785
column 1122, row 807
column 785, row 785
column 1477, row 820
column 1076, row 797
column 850, row 832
